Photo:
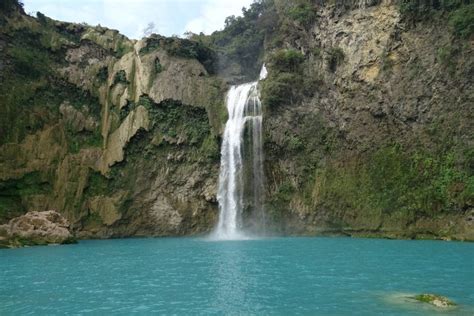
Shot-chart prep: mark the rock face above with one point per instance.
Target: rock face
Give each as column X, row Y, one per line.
column 37, row 228
column 120, row 135
column 366, row 145
column 373, row 137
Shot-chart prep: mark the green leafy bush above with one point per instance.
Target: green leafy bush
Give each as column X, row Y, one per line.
column 240, row 43
column 97, row 184
column 413, row 10
column 103, row 74
column 284, row 193
column 42, row 18
column 184, row 48
column 158, row 66
column 30, row 62
column 335, row 58
column 302, row 12
column 284, row 84
column 446, row 56
column 462, row 20
column 392, row 180
column 8, row 6
column 120, row 77
column 281, row 89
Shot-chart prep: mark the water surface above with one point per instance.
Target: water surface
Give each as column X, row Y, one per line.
column 281, row 276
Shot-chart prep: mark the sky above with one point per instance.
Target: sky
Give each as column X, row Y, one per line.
column 131, row 17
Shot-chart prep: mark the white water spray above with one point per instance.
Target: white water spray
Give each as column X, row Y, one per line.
column 245, row 111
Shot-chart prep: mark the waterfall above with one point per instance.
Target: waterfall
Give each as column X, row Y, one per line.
column 241, row 172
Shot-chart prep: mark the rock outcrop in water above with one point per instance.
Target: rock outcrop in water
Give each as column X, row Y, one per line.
column 367, row 130
column 36, row 228
column 435, row 300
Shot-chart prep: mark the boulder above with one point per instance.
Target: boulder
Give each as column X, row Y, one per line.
column 36, row 228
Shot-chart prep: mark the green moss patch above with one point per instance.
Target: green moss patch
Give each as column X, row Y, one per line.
column 433, row 299
column 392, row 180
column 184, row 48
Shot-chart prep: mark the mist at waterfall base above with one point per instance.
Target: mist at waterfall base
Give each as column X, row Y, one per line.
column 267, row 276
column 241, row 178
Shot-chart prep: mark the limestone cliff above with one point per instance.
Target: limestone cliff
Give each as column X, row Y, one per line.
column 120, row 136
column 377, row 137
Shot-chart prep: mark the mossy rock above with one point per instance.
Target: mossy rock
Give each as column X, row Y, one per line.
column 435, row 300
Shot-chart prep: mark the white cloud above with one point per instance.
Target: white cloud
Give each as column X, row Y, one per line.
column 213, row 14
column 130, row 17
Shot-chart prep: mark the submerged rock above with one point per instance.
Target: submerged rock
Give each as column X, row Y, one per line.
column 435, row 300
column 36, row 228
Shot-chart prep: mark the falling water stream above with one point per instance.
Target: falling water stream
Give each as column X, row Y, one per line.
column 241, row 172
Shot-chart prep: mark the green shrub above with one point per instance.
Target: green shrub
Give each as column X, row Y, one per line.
column 393, row 180
column 174, row 119
column 210, row 148
column 103, row 74
column 30, row 62
column 294, row 143
column 281, row 89
column 462, row 20
column 184, row 48
column 285, row 83
column 284, row 193
column 240, row 43
column 42, row 18
column 120, row 77
column 413, row 10
column 8, row 6
column 446, row 56
column 335, row 58
column 158, row 66
column 97, row 184
column 286, row 60
column 146, row 102
column 316, row 52
column 76, row 141
column 122, row 48
column 410, row 9
column 303, row 12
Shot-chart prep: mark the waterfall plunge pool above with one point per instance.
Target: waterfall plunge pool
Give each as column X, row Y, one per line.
column 278, row 276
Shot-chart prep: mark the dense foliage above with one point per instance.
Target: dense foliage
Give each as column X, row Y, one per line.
column 419, row 183
column 286, row 60
column 284, row 83
column 462, row 21
column 8, row 6
column 184, row 48
column 461, row 16
column 303, row 12
column 240, row 44
column 335, row 58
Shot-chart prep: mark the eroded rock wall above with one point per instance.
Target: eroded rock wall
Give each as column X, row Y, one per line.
column 128, row 137
column 379, row 144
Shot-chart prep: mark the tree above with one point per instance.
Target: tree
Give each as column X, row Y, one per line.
column 149, row 29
